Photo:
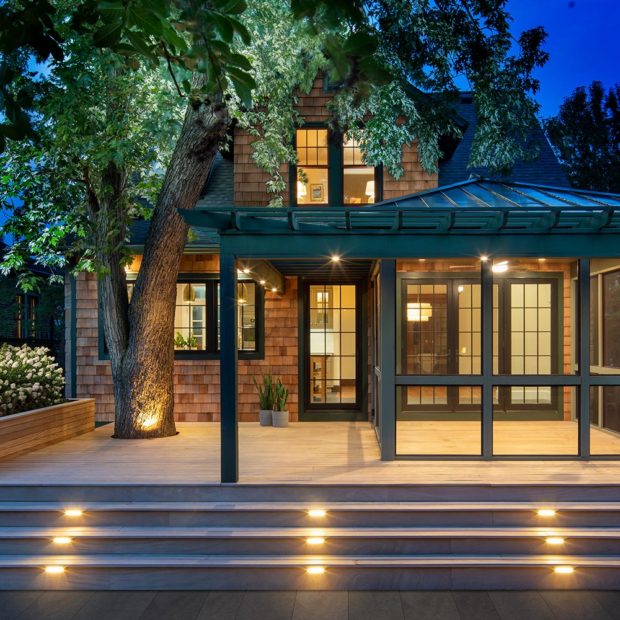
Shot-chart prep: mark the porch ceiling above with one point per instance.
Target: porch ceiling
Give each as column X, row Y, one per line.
column 325, row 269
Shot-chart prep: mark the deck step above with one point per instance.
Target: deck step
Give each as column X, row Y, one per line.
column 117, row 571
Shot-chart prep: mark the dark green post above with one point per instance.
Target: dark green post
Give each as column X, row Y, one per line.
column 387, row 421
column 229, row 427
column 584, row 357
column 487, row 358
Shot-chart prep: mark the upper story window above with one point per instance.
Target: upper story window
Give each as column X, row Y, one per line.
column 332, row 172
column 358, row 180
column 312, row 168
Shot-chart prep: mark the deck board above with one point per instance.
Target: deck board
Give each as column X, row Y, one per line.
column 318, row 452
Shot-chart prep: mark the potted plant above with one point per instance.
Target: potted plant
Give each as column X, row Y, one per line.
column 265, row 398
column 280, row 413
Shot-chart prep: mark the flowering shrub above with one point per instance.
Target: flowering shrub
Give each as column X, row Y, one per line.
column 29, row 379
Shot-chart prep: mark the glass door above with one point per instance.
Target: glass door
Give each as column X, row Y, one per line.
column 332, row 365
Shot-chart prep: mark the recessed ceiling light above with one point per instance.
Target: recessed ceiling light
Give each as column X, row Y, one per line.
column 335, row 258
column 263, row 282
column 246, row 270
column 274, row 290
column 484, row 258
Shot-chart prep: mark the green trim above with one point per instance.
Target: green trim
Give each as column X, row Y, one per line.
column 73, row 331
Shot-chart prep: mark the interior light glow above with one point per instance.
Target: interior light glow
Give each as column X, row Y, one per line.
column 54, row 569
column 564, row 570
column 73, row 512
column 317, row 512
column 315, row 540
column 62, row 540
column 546, row 512
column 501, row 267
column 554, row 540
column 315, row 570
column 461, row 288
column 263, row 282
column 246, row 270
column 420, row 311
column 274, row 290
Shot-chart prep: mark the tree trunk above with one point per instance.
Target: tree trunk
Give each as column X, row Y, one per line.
column 144, row 390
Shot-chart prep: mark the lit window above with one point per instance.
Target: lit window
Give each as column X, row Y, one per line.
column 190, row 317
column 312, row 167
column 358, row 179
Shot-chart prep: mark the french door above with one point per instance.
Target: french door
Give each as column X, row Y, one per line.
column 442, row 336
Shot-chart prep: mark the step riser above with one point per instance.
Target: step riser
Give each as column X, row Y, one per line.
column 296, row 579
column 311, row 493
column 333, row 546
column 582, row 518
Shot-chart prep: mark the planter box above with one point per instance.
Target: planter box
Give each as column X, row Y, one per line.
column 31, row 430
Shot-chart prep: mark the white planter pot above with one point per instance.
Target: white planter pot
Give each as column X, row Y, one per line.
column 280, row 418
column 264, row 417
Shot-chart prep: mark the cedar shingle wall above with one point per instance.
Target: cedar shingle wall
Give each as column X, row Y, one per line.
column 197, row 390
column 250, row 179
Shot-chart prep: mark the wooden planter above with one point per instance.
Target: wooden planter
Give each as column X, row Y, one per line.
column 31, row 430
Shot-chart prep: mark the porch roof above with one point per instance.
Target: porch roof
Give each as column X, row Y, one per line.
column 476, row 206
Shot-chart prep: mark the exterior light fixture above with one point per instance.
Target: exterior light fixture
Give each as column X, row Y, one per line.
column 315, row 570
column 546, row 512
column 62, row 540
column 484, row 258
column 263, row 282
column 149, row 422
column 317, row 512
column 315, row 540
column 246, row 270
column 501, row 267
column 55, row 569
column 419, row 311
column 73, row 512
column 554, row 540
column 274, row 290
column 542, row 260
column 564, row 570
column 335, row 258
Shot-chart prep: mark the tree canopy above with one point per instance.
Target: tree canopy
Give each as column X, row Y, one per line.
column 586, row 137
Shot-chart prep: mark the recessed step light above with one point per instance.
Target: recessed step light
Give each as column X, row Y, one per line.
column 317, row 512
column 62, row 540
column 54, row 569
column 315, row 570
column 73, row 512
column 564, row 570
column 315, row 540
column 546, row 512
column 554, row 540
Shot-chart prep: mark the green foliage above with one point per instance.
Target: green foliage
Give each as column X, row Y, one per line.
column 266, row 391
column 191, row 342
column 280, row 396
column 586, row 137
column 29, row 379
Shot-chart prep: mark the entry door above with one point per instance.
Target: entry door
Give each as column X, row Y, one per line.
column 332, row 359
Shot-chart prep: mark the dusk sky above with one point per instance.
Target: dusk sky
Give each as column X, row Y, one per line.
column 583, row 40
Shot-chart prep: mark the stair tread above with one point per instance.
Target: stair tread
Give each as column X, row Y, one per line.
column 16, row 506
column 159, row 532
column 292, row 561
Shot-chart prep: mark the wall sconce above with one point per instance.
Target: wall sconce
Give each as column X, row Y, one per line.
column 420, row 311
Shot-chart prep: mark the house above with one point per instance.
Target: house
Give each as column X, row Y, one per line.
column 463, row 317
column 34, row 317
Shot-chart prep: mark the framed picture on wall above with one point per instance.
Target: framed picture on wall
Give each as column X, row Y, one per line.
column 316, row 192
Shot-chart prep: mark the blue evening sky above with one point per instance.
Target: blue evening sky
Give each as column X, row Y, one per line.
column 583, row 41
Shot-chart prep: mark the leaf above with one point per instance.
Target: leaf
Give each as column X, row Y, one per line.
column 360, row 44
column 146, row 20
column 109, row 34
column 140, row 44
column 223, row 27
column 241, row 30
column 239, row 60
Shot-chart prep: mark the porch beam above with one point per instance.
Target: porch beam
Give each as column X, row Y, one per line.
column 387, row 393
column 584, row 357
column 229, row 419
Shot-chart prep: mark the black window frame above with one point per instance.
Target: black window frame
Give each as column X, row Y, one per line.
column 212, row 352
column 335, row 172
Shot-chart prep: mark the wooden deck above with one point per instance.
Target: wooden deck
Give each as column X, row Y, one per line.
column 318, row 453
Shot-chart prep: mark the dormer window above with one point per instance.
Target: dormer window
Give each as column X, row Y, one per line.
column 312, row 168
column 330, row 170
column 358, row 180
